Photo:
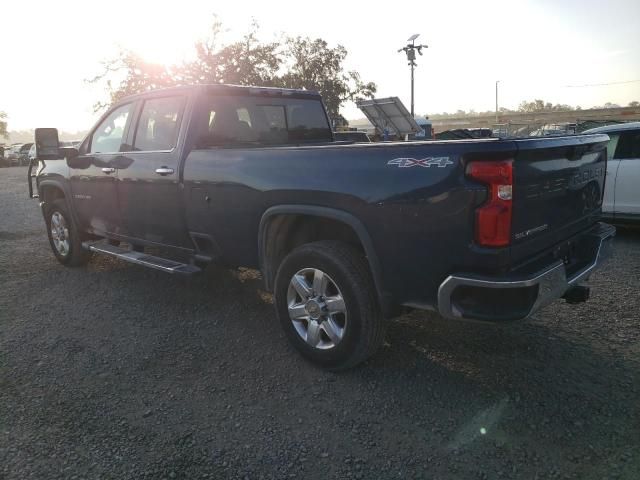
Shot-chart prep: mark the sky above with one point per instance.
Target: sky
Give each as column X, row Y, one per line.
column 544, row 49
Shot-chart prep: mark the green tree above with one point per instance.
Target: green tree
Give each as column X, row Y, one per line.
column 3, row 125
column 635, row 103
column 295, row 63
column 314, row 65
column 533, row 106
column 247, row 62
column 128, row 73
column 539, row 105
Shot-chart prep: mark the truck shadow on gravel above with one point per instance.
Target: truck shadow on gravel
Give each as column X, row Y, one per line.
column 199, row 370
column 569, row 383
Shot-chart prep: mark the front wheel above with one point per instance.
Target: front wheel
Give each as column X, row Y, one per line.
column 326, row 303
column 64, row 237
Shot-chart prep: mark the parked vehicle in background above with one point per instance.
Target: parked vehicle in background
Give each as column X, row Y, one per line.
column 464, row 133
column 345, row 235
column 351, row 136
column 18, row 154
column 622, row 189
column 32, row 154
column 555, row 129
column 427, row 129
column 12, row 155
column 23, row 154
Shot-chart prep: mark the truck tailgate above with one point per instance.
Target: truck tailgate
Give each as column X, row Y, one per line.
column 558, row 188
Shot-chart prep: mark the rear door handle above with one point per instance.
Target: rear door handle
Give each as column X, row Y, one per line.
column 164, row 171
column 108, row 170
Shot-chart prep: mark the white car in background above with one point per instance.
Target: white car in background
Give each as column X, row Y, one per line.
column 621, row 201
column 32, row 153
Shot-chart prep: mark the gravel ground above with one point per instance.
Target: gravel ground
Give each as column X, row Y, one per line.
column 116, row 371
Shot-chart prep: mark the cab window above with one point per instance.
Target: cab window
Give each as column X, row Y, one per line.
column 613, row 145
column 628, row 145
column 256, row 121
column 159, row 124
column 109, row 136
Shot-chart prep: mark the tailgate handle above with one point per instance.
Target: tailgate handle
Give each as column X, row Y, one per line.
column 108, row 170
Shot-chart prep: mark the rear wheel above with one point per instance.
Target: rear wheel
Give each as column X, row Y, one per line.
column 326, row 303
column 64, row 237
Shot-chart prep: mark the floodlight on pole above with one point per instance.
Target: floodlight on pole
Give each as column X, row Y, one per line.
column 410, row 49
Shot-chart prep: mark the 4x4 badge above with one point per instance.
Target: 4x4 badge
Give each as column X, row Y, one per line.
column 440, row 162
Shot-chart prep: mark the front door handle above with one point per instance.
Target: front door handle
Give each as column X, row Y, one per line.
column 164, row 171
column 108, row 170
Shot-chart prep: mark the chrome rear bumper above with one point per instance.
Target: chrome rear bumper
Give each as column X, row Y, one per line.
column 544, row 286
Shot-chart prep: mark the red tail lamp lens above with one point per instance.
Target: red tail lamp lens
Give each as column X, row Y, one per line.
column 493, row 218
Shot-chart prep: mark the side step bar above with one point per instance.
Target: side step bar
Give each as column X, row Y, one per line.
column 141, row 258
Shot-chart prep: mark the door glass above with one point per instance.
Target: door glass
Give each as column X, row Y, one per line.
column 159, row 124
column 613, row 144
column 109, row 135
column 628, row 145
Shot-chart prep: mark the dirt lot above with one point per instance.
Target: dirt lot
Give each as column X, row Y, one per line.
column 115, row 371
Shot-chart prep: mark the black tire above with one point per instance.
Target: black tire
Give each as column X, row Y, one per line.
column 364, row 325
column 73, row 255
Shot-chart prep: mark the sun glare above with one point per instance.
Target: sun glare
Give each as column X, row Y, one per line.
column 166, row 36
column 162, row 52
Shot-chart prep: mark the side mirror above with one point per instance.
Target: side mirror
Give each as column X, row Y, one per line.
column 68, row 152
column 47, row 145
column 73, row 158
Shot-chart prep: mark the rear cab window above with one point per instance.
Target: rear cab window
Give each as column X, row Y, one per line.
column 262, row 121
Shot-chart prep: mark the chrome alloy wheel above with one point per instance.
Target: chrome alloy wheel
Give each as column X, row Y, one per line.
column 316, row 308
column 60, row 233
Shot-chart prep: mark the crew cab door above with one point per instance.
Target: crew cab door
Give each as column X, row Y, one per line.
column 93, row 173
column 148, row 189
column 627, row 186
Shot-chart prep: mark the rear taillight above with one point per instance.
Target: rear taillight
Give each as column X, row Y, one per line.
column 493, row 218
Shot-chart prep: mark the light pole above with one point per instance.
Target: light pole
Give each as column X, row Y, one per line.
column 410, row 50
column 497, row 82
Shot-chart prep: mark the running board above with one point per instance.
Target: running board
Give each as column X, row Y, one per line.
column 141, row 258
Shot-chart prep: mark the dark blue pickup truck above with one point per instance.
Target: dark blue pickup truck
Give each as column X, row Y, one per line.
column 345, row 235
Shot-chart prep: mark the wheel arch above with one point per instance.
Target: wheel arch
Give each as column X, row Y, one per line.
column 271, row 226
column 51, row 190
